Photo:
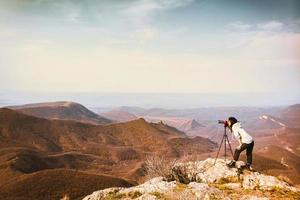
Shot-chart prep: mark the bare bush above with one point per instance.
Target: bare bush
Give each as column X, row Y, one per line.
column 160, row 166
column 181, row 174
column 170, row 169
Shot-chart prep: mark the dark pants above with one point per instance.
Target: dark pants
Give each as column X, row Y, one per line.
column 244, row 146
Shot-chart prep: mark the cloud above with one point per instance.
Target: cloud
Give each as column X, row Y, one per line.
column 271, row 26
column 240, row 26
column 138, row 11
column 142, row 11
column 268, row 41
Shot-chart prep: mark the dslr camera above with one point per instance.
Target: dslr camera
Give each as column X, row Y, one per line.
column 225, row 122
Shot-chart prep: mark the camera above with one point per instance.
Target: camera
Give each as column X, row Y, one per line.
column 225, row 122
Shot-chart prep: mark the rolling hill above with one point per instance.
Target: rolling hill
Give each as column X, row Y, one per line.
column 35, row 145
column 291, row 114
column 63, row 110
column 55, row 184
column 31, row 148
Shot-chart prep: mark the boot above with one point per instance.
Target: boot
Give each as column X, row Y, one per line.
column 248, row 166
column 231, row 164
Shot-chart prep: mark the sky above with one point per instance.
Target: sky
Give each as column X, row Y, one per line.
column 151, row 46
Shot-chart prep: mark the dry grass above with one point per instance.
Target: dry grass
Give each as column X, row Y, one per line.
column 229, row 179
column 158, row 195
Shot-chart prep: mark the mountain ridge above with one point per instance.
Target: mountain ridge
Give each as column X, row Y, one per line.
column 63, row 110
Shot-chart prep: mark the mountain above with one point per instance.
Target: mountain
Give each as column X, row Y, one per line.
column 63, row 110
column 291, row 114
column 208, row 118
column 266, row 122
column 18, row 129
column 204, row 113
column 203, row 180
column 183, row 124
column 119, row 116
column 40, row 151
column 30, row 145
column 289, row 162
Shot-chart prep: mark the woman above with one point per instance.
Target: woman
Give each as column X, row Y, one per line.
column 245, row 140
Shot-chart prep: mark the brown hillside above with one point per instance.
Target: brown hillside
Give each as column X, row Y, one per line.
column 17, row 129
column 291, row 114
column 63, row 110
column 30, row 144
column 289, row 163
column 54, row 184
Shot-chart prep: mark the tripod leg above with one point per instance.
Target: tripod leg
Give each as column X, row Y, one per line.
column 225, row 147
column 219, row 149
column 229, row 145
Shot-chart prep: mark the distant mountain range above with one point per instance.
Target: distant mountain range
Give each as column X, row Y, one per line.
column 48, row 143
column 119, row 116
column 30, row 145
column 205, row 113
column 182, row 124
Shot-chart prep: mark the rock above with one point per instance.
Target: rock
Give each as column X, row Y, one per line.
column 154, row 185
column 205, row 181
column 144, row 191
column 260, row 181
column 250, row 197
column 204, row 191
column 102, row 194
column 205, row 171
column 147, row 197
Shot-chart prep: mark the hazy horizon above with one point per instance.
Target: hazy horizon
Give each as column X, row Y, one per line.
column 151, row 100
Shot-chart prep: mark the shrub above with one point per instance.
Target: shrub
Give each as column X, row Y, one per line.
column 182, row 174
column 115, row 195
column 134, row 194
column 160, row 166
column 170, row 170
column 158, row 195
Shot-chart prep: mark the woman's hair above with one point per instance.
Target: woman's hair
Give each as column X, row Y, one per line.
column 232, row 120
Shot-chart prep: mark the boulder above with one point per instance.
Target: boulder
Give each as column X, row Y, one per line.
column 256, row 180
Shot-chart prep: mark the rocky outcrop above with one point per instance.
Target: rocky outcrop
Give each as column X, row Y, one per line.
column 209, row 171
column 260, row 181
column 207, row 181
column 157, row 188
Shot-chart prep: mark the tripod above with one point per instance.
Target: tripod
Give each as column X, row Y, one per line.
column 225, row 137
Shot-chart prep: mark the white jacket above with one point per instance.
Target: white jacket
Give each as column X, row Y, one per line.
column 240, row 133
